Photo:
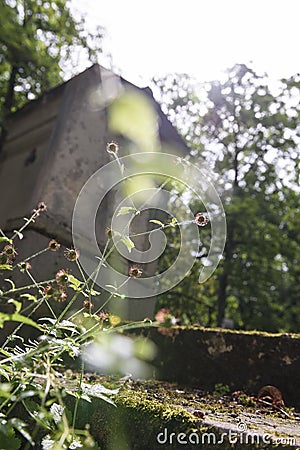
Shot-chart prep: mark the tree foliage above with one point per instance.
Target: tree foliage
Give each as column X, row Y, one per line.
column 247, row 129
column 37, row 40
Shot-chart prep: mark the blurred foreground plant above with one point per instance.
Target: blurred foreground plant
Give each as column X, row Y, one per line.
column 33, row 384
column 34, row 387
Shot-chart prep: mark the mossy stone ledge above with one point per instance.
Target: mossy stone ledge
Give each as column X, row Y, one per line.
column 154, row 415
column 200, row 357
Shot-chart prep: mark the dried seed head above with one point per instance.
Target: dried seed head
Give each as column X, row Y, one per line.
column 112, row 147
column 165, row 318
column 72, row 254
column 23, row 266
column 62, row 277
column 9, row 250
column 86, row 304
column 103, row 315
column 60, row 296
column 53, row 245
column 201, row 219
column 147, row 320
column 42, row 206
column 135, row 272
column 161, row 315
column 49, row 290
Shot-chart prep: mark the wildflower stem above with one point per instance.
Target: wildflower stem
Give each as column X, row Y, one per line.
column 80, row 270
column 8, row 400
column 185, row 222
column 111, row 296
column 2, row 233
column 91, row 277
column 27, row 222
column 21, row 324
column 90, row 331
column 40, row 292
column 40, row 252
column 77, row 397
column 30, row 286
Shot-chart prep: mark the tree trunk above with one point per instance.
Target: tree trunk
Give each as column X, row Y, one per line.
column 222, row 297
column 8, row 104
column 228, row 252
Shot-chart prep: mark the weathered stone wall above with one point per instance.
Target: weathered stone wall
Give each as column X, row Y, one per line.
column 53, row 146
column 242, row 360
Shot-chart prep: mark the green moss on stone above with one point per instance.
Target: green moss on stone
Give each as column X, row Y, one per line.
column 145, row 409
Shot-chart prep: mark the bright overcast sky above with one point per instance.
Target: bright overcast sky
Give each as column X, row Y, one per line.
column 199, row 37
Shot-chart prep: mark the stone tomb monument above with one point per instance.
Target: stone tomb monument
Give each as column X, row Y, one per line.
column 54, row 145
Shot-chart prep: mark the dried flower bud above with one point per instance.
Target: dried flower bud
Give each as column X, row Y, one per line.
column 103, row 315
column 9, row 250
column 23, row 266
column 49, row 290
column 164, row 316
column 42, row 206
column 201, row 219
column 147, row 320
column 53, row 245
column 135, row 272
column 62, row 277
column 112, row 147
column 86, row 304
column 72, row 254
column 60, row 296
column 161, row 314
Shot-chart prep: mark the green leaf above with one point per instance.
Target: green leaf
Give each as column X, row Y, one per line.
column 110, row 286
column 132, row 114
column 20, row 426
column 17, row 318
column 125, row 210
column 20, row 318
column 5, row 370
column 5, row 353
column 5, row 267
column 158, row 222
column 13, row 286
column 17, row 304
column 122, row 296
column 75, row 283
column 173, row 222
column 29, row 297
column 99, row 391
column 5, row 239
column 81, row 395
column 93, row 292
column 8, row 439
column 33, row 409
column 128, row 242
column 5, row 374
column 19, row 234
column 5, row 390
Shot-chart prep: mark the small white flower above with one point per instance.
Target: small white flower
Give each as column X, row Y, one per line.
column 76, row 443
column 57, row 412
column 47, row 443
